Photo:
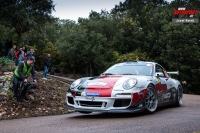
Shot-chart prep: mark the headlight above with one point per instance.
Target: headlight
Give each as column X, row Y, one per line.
column 75, row 83
column 130, row 83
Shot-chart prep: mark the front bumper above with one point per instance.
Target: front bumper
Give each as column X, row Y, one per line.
column 105, row 104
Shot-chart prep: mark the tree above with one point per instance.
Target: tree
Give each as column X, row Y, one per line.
column 25, row 14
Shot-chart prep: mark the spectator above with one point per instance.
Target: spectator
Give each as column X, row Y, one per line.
column 8, row 46
column 17, row 56
column 31, row 53
column 21, row 53
column 185, row 89
column 25, row 50
column 13, row 53
column 20, row 74
column 47, row 62
column 24, row 57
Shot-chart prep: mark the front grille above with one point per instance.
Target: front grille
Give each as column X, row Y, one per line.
column 90, row 103
column 121, row 102
column 70, row 100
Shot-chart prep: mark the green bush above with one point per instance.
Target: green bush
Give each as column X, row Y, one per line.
column 6, row 64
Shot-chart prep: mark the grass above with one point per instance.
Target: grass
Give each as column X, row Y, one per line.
column 57, row 93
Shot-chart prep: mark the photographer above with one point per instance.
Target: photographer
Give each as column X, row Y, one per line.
column 20, row 74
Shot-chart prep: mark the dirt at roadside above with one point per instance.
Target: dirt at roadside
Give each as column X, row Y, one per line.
column 47, row 99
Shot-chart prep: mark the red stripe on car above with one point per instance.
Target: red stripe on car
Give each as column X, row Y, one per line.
column 104, row 91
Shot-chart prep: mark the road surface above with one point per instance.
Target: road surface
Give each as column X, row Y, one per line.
column 185, row 119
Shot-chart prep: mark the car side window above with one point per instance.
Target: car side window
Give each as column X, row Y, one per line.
column 160, row 70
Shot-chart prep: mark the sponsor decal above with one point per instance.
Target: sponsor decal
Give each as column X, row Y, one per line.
column 159, row 81
column 90, row 98
column 92, row 94
column 167, row 95
column 118, row 90
column 183, row 11
column 97, row 83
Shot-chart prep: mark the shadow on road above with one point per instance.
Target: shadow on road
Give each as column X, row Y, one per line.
column 118, row 115
column 106, row 115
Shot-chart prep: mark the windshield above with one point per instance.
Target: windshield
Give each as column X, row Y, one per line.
column 118, row 69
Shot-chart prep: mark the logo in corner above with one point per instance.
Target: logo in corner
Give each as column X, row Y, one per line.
column 183, row 11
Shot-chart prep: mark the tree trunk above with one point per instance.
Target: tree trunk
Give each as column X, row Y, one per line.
column 19, row 36
column 91, row 70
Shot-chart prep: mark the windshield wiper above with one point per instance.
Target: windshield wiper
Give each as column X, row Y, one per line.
column 107, row 74
column 127, row 74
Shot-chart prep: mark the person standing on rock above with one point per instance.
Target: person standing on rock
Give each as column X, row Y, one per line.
column 21, row 72
column 47, row 62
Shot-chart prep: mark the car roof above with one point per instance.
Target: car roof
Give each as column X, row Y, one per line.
column 136, row 63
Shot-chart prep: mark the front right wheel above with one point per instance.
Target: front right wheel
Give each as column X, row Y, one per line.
column 151, row 100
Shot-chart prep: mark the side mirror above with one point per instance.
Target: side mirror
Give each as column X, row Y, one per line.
column 159, row 74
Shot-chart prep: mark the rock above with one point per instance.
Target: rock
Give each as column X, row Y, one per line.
column 4, row 93
column 6, row 73
column 23, row 109
column 70, row 111
column 61, row 108
column 31, row 97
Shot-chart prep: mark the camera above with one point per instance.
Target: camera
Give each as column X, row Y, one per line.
column 29, row 85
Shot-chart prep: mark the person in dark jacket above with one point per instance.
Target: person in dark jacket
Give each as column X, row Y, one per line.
column 8, row 46
column 21, row 73
column 185, row 89
column 47, row 63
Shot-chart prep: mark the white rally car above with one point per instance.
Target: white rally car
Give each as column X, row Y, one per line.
column 125, row 87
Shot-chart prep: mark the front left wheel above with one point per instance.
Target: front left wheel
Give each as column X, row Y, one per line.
column 151, row 100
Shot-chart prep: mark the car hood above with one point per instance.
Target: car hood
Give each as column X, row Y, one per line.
column 104, row 85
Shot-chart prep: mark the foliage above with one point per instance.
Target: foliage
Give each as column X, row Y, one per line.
column 133, row 30
column 25, row 14
column 5, row 61
column 6, row 64
column 133, row 56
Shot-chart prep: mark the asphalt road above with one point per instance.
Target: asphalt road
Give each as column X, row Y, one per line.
column 185, row 119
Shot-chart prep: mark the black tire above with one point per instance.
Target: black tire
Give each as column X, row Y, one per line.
column 179, row 96
column 84, row 112
column 151, row 100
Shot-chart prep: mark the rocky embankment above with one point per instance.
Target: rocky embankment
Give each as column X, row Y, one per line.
column 47, row 99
